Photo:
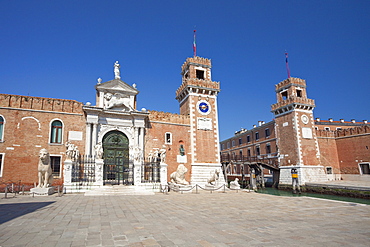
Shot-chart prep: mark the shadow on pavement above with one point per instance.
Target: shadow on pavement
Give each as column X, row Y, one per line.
column 13, row 210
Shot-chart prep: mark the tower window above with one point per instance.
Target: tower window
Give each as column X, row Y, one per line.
column 240, row 141
column 284, row 95
column 257, row 136
column 248, row 138
column 299, row 93
column 200, row 74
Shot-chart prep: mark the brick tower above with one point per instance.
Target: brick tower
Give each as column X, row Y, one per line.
column 298, row 146
column 197, row 97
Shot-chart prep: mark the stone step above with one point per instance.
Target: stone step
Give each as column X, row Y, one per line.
column 119, row 190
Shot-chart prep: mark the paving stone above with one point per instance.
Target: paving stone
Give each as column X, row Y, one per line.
column 217, row 219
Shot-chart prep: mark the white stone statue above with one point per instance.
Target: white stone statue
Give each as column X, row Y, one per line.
column 44, row 169
column 116, row 71
column 235, row 184
column 99, row 151
column 115, row 100
column 72, row 151
column 214, row 177
column 178, row 177
column 162, row 154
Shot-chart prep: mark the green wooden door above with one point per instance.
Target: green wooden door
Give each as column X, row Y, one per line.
column 116, row 158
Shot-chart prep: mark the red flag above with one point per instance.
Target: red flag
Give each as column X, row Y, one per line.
column 286, row 64
column 195, row 45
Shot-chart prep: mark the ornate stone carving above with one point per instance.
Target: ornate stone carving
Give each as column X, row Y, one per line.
column 162, row 154
column 214, row 177
column 44, row 169
column 178, row 177
column 99, row 151
column 72, row 151
column 116, row 100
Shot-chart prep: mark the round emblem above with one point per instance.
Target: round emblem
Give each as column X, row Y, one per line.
column 304, row 119
column 203, row 107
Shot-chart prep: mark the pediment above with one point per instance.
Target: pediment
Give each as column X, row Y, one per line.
column 116, row 86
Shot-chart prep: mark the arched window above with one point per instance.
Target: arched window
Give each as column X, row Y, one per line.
column 1, row 129
column 56, row 132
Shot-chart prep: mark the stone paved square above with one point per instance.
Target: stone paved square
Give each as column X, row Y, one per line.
column 205, row 219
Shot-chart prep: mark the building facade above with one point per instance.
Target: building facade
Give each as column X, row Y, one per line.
column 133, row 145
column 319, row 150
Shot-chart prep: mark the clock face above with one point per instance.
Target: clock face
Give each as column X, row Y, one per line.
column 304, row 119
column 203, row 107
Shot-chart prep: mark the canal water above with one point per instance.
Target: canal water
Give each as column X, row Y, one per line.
column 276, row 192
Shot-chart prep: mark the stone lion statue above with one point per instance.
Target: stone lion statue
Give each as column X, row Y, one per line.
column 214, row 177
column 44, row 169
column 116, row 100
column 235, row 184
column 178, row 177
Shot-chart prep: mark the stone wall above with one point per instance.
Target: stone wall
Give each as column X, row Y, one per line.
column 178, row 126
column 27, row 128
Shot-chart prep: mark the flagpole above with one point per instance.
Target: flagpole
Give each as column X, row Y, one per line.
column 286, row 64
column 195, row 44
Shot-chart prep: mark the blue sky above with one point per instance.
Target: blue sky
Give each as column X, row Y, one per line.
column 58, row 49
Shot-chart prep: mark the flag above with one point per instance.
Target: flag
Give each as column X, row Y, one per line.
column 286, row 64
column 195, row 45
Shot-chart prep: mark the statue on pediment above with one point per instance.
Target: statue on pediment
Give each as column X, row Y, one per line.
column 116, row 71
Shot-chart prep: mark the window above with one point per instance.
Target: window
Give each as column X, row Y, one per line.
column 257, row 136
column 299, row 93
column 223, row 146
column 329, row 170
column 228, row 145
column 268, row 148
column 258, row 152
column 55, row 165
column 364, row 168
column 248, row 138
column 56, row 132
column 267, row 133
column 1, row 164
column 233, row 143
column 1, row 128
column 200, row 74
column 284, row 95
column 240, row 141
column 327, row 128
column 168, row 138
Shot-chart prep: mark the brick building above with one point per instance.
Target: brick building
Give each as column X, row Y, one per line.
column 320, row 150
column 136, row 144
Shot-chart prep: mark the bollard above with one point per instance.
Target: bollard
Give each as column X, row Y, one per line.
column 22, row 189
column 6, row 191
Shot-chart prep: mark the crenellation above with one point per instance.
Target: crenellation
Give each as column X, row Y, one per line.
column 168, row 117
column 42, row 104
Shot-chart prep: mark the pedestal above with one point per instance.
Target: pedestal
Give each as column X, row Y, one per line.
column 163, row 173
column 42, row 191
column 99, row 163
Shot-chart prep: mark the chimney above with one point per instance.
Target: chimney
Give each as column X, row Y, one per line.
column 365, row 121
column 317, row 119
column 330, row 120
column 342, row 120
column 254, row 126
column 353, row 120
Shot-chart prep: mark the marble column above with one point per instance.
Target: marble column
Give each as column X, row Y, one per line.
column 88, row 139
